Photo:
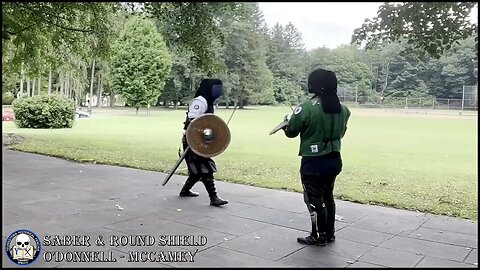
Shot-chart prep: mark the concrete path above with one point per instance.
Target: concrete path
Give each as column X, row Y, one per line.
column 258, row 228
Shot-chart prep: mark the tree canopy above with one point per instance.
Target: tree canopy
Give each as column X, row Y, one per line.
column 432, row 27
column 140, row 63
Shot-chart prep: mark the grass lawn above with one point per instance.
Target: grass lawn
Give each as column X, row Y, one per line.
column 416, row 162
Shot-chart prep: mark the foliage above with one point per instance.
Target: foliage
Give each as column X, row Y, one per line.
column 431, row 27
column 195, row 25
column 32, row 27
column 257, row 63
column 7, row 98
column 245, row 58
column 346, row 63
column 44, row 111
column 140, row 63
column 286, row 59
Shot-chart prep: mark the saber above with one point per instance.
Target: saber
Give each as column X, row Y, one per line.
column 285, row 97
column 179, row 161
column 278, row 127
column 182, row 157
column 283, row 123
column 232, row 114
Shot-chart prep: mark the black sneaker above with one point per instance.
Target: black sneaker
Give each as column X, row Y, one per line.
column 310, row 240
column 188, row 194
column 330, row 239
column 217, row 201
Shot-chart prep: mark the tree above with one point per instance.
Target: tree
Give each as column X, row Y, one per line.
column 34, row 26
column 286, row 58
column 178, row 87
column 140, row 63
column 404, row 78
column 431, row 27
column 458, row 67
column 186, row 73
column 195, row 26
column 345, row 62
column 244, row 58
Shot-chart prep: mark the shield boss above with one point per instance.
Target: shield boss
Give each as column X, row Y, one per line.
column 208, row 135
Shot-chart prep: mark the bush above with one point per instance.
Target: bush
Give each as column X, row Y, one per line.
column 44, row 111
column 7, row 98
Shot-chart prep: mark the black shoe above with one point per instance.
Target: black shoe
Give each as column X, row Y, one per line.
column 185, row 191
column 330, row 239
column 188, row 193
column 217, row 201
column 310, row 240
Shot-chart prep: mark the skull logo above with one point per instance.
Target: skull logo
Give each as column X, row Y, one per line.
column 23, row 247
column 22, row 241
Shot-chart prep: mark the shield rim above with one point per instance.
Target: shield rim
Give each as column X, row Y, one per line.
column 222, row 149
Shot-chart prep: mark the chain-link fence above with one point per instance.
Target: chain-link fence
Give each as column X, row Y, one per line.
column 349, row 95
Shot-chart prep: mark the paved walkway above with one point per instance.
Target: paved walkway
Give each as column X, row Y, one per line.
column 259, row 227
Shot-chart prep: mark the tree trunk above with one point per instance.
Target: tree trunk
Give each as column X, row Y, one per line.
column 21, row 81
column 192, row 86
column 69, row 82
column 99, row 91
column 72, row 88
column 28, row 87
column 49, row 91
column 112, row 99
column 72, row 92
column 75, row 92
column 91, row 84
column 39, row 84
column 67, row 85
column 70, row 85
column 20, row 91
column 176, row 95
column 33, row 87
column 386, row 82
column 240, row 105
column 136, row 109
column 60, row 80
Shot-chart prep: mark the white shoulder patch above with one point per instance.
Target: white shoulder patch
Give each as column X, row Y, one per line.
column 198, row 107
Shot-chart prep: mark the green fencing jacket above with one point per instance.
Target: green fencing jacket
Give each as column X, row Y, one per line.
column 320, row 132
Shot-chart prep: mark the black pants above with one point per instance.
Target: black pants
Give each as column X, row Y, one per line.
column 206, row 179
column 318, row 196
column 318, row 179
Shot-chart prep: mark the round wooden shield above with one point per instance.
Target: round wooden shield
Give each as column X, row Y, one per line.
column 208, row 135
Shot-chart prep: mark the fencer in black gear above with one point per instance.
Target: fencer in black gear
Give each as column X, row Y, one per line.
column 201, row 168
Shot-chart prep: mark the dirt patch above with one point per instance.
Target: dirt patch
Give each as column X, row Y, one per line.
column 9, row 139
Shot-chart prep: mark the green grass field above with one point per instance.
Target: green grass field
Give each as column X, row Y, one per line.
column 414, row 162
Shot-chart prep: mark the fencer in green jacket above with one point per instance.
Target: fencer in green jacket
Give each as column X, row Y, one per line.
column 321, row 122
